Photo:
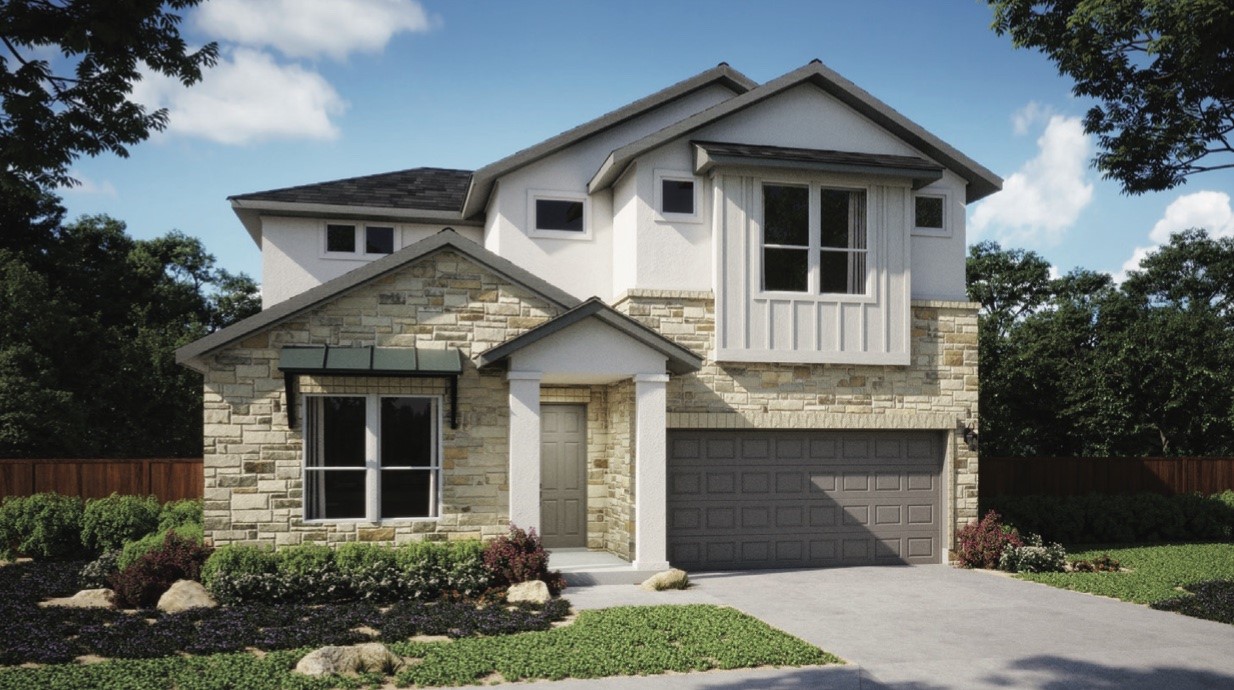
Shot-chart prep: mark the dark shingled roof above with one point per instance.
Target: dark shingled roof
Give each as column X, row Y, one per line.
column 430, row 189
column 754, row 152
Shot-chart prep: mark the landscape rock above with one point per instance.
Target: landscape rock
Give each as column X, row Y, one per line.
column 369, row 657
column 672, row 578
column 530, row 592
column 86, row 599
column 185, row 595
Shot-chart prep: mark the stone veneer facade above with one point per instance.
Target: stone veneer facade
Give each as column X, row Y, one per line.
column 937, row 391
column 253, row 461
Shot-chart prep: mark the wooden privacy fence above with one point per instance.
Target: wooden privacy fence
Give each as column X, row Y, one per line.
column 169, row 479
column 1078, row 476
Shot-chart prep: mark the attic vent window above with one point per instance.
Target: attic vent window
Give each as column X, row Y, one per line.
column 930, row 216
column 678, row 196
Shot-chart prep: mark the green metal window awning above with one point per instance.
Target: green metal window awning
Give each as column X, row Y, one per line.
column 324, row 360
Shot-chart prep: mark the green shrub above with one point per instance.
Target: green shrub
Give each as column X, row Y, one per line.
column 97, row 573
column 1033, row 557
column 308, row 573
column 177, row 513
column 142, row 583
column 1120, row 519
column 109, row 523
column 240, row 572
column 134, row 550
column 43, row 526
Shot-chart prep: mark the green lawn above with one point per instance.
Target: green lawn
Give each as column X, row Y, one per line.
column 617, row 641
column 1156, row 571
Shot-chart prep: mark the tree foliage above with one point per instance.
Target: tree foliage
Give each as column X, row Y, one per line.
column 1080, row 366
column 89, row 321
column 1161, row 71
column 49, row 118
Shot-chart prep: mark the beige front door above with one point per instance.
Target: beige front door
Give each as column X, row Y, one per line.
column 563, row 475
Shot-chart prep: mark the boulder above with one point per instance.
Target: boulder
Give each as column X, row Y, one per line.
column 370, row 657
column 530, row 592
column 185, row 595
column 669, row 579
column 86, row 599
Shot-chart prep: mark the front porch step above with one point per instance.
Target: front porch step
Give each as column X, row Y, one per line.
column 584, row 567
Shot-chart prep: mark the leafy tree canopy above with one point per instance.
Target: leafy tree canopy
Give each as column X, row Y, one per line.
column 1162, row 72
column 49, row 118
column 1080, row 366
column 89, row 322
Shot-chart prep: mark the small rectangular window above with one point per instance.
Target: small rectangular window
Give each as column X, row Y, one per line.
column 929, row 212
column 559, row 214
column 341, row 238
column 677, row 196
column 378, row 240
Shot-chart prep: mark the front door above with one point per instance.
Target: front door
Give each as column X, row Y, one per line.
column 563, row 475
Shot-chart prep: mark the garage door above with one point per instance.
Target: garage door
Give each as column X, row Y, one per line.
column 788, row 499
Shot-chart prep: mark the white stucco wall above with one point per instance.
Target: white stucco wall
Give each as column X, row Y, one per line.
column 293, row 256
column 583, row 267
column 939, row 260
column 588, row 352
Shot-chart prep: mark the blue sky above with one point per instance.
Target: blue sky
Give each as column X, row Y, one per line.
column 315, row 90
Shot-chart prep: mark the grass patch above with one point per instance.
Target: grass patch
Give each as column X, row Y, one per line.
column 1156, row 571
column 617, row 641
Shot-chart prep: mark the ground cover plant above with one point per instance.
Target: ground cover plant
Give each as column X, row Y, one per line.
column 30, row 633
column 1213, row 601
column 1151, row 574
column 618, row 641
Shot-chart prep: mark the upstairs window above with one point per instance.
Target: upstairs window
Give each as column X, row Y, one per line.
column 929, row 216
column 676, row 196
column 814, row 239
column 558, row 215
column 353, row 241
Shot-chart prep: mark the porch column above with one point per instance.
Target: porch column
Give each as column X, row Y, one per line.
column 524, row 479
column 650, row 472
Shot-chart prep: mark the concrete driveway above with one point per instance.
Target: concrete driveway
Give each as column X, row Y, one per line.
column 939, row 627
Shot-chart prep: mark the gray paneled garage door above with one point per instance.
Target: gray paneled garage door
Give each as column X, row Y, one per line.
column 786, row 499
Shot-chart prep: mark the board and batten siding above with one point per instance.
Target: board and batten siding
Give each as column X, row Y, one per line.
column 809, row 328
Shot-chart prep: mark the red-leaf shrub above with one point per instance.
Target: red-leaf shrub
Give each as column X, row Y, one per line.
column 520, row 557
column 141, row 584
column 979, row 544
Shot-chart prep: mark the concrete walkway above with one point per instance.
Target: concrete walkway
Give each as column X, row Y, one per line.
column 929, row 627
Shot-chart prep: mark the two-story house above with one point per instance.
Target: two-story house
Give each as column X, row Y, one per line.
column 724, row 326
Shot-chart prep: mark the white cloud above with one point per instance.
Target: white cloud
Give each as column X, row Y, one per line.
column 1029, row 115
column 1203, row 209
column 312, row 28
column 247, row 97
column 86, row 185
column 1042, row 199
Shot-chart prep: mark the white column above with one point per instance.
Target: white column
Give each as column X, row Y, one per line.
column 650, row 472
column 524, row 480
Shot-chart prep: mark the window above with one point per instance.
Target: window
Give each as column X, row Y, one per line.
column 370, row 457
column 676, row 196
column 814, row 239
column 341, row 238
column 352, row 241
column 378, row 240
column 930, row 216
column 559, row 214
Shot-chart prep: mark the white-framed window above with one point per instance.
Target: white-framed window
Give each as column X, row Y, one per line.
column 815, row 239
column 930, row 215
column 371, row 457
column 558, row 215
column 346, row 240
column 678, row 196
